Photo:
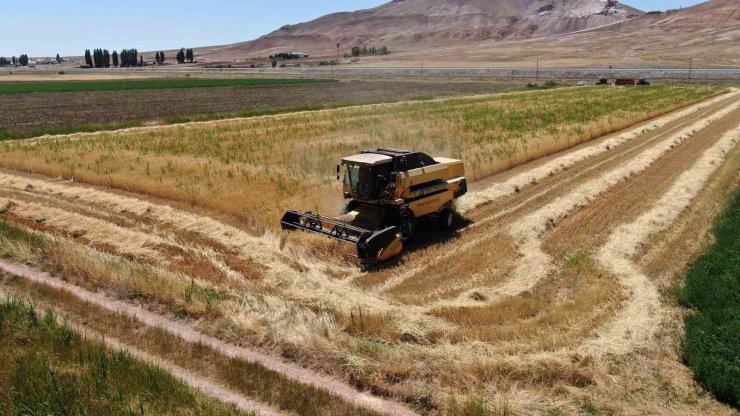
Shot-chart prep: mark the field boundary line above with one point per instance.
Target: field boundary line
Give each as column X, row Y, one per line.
column 189, row 334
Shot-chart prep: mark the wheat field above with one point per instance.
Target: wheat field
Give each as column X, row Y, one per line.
column 543, row 304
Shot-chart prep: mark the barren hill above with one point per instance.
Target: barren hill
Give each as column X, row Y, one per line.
column 511, row 33
column 708, row 32
column 415, row 24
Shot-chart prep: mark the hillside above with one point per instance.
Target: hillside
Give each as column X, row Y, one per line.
column 709, row 33
column 415, row 24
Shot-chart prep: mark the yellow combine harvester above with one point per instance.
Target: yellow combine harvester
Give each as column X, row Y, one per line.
column 388, row 190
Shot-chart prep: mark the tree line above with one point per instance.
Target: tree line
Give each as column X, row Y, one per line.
column 184, row 55
column 21, row 60
column 365, row 51
column 101, row 58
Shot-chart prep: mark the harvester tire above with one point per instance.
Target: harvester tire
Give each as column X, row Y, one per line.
column 407, row 226
column 446, row 218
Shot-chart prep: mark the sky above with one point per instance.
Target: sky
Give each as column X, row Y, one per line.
column 68, row 27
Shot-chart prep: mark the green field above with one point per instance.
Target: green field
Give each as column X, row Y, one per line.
column 48, row 369
column 712, row 344
column 147, row 84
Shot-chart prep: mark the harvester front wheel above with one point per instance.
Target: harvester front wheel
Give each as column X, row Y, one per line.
column 408, row 226
column 446, row 218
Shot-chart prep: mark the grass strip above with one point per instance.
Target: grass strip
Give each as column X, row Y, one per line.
column 47, row 368
column 61, row 129
column 712, row 291
column 147, row 84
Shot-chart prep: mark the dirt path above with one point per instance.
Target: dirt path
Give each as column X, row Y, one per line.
column 191, row 379
column 190, row 335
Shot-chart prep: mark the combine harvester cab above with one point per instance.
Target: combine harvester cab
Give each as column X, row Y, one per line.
column 387, row 190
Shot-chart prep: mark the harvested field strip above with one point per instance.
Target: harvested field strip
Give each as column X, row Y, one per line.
column 559, row 312
column 538, row 307
column 508, row 206
column 124, row 241
column 590, row 226
column 228, row 235
column 636, row 323
column 231, row 351
column 118, row 234
column 535, row 263
column 50, row 369
column 31, row 87
column 254, row 169
column 474, row 199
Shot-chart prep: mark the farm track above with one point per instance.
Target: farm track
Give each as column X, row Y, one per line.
column 571, row 206
column 195, row 381
column 189, row 335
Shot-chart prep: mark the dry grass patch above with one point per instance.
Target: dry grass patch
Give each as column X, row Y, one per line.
column 484, row 263
column 557, row 312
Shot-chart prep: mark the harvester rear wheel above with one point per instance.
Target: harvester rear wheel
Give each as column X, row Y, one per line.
column 446, row 218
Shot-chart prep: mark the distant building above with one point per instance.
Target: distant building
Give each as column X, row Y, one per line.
column 298, row 55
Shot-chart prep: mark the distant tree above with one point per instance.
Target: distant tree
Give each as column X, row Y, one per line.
column 106, row 58
column 3, row 61
column 161, row 56
column 115, row 58
column 88, row 58
column 59, row 59
column 141, row 60
column 274, row 63
column 181, row 56
column 98, row 58
column 189, row 56
column 14, row 60
column 129, row 58
column 23, row 60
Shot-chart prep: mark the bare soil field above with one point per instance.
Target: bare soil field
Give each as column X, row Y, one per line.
column 23, row 112
column 551, row 297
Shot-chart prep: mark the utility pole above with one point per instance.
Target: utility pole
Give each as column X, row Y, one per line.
column 537, row 72
column 422, row 67
column 691, row 64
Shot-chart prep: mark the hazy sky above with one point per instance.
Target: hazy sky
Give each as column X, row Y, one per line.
column 68, row 27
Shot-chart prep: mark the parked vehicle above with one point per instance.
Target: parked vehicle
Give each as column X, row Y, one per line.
column 602, row 81
column 625, row 81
